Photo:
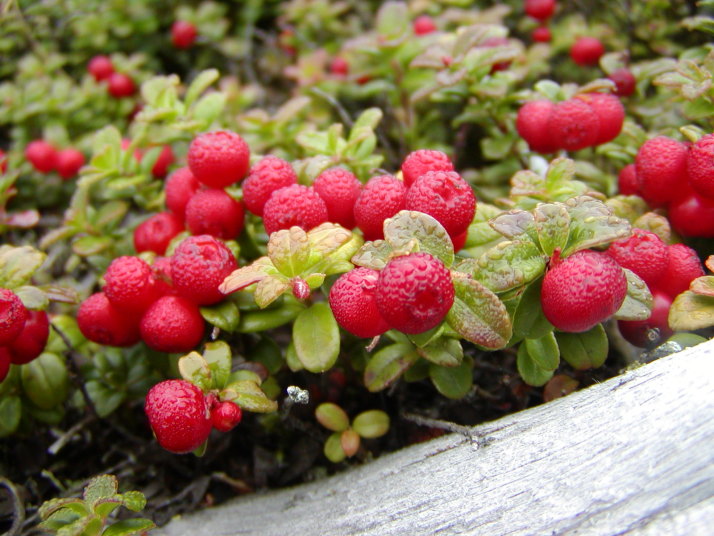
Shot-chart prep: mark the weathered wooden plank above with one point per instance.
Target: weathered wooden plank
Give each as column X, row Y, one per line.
column 633, row 455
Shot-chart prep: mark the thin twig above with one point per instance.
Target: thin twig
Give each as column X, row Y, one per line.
column 17, row 507
column 341, row 111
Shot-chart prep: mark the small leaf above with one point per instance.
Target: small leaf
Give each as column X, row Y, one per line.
column 268, row 353
column 592, row 224
column 552, row 223
column 134, row 500
column 45, row 380
column 194, row 368
column 584, row 350
column 100, row 487
column 408, row 225
column 445, row 351
column 332, row 417
column 209, row 107
column 371, row 424
column 350, row 441
column 638, row 301
column 528, row 319
column 289, row 250
column 513, row 224
column 370, row 118
column 247, row 275
column 453, row 382
column 509, row 265
column 374, row 254
column 104, row 398
column 18, row 264
column 392, row 20
column 478, row 315
column 224, row 315
column 333, row 448
column 91, row 245
column 690, row 311
column 559, row 386
column 703, row 286
column 249, row 396
column 291, row 358
column 32, row 297
column 200, row 84
column 269, row 289
column 530, row 371
column 219, row 359
column 544, row 351
column 316, row 336
column 10, row 413
column 130, row 527
column 388, row 364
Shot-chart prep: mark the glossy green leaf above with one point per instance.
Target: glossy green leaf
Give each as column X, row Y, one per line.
column 584, row 350
column 445, row 351
column 592, row 224
column 269, row 289
column 513, row 224
column 10, row 413
column 100, row 487
column 45, row 380
column 392, row 21
column 194, row 368
column 316, row 336
column 224, row 315
column 386, row 365
column 703, row 286
column 371, row 424
column 350, row 442
column 209, row 107
column 374, row 254
column 453, row 382
column 408, row 225
column 18, row 264
column 129, row 527
column 249, row 396
column 133, row 500
column 544, row 351
column 104, row 398
column 552, row 222
column 690, row 311
column 289, row 250
column 248, row 275
column 219, row 359
column 200, row 84
column 291, row 358
column 427, row 337
column 638, row 301
column 528, row 319
column 509, row 265
column 478, row 315
column 532, row 373
column 333, row 448
column 255, row 321
column 91, row 245
column 268, row 352
column 32, row 297
column 332, row 417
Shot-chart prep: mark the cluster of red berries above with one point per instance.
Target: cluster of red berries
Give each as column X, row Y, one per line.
column 586, row 120
column 679, row 177
column 182, row 416
column 542, row 11
column 23, row 332
column 119, row 85
column 46, row 158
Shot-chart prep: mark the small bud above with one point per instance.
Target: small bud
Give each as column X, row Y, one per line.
column 301, row 290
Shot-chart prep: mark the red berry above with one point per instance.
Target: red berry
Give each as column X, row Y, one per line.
column 586, row 51
column 100, row 67
column 179, row 188
column 183, row 34
column 268, row 175
column 460, row 240
column 445, row 196
column 642, row 332
column 68, row 162
column 199, row 265
column 3, row 161
column 414, row 292
column 103, row 323
column 541, row 35
column 162, row 275
column 682, row 268
column 226, row 415
column 582, row 290
column 540, row 9
column 172, row 324
column 155, row 233
column 130, row 284
column 419, row 162
column 5, row 362
column 218, row 159
column 610, row 113
column 575, row 124
column 627, row 180
column 625, row 82
column 178, row 415
column 494, row 42
column 165, row 159
column 661, row 165
column 13, row 315
column 339, row 189
column 643, row 252
column 700, row 166
column 423, row 25
column 121, row 85
column 353, row 302
column 216, row 213
column 381, row 198
column 294, row 205
column 32, row 339
column 692, row 215
column 339, row 66
column 533, row 124
column 42, row 155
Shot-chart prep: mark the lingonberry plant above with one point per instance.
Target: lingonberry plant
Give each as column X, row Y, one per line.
column 212, row 216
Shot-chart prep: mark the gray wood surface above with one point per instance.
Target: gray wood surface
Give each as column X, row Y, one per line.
column 633, row 455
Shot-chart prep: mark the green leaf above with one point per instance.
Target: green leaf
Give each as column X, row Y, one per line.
column 513, row 224
column 32, row 297
column 289, row 250
column 371, row 424
column 584, row 350
column 333, row 448
column 268, row 352
column 528, row 319
column 638, row 300
column 392, row 21
column 408, row 225
column 194, row 368
column 427, row 337
column 269, row 289
column 10, row 413
column 87, row 246
column 316, row 336
column 224, row 315
column 552, row 222
column 369, row 119
column 247, row 275
column 388, row 364
column 134, row 500
column 104, row 507
column 219, row 359
column 478, row 315
column 350, row 442
column 200, row 84
column 592, row 224
column 453, row 382
column 332, row 417
column 209, row 107
column 703, row 286
column 104, row 398
column 530, row 371
column 18, row 264
column 374, row 254
column 100, row 487
column 71, row 507
column 110, row 214
column 544, row 351
column 249, row 396
column 690, row 311
column 291, row 358
column 129, row 527
column 45, row 380
column 445, row 351
column 509, row 265
column 254, row 321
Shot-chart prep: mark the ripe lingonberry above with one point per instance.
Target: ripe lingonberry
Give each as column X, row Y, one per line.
column 610, row 113
column 268, row 175
column 162, row 275
column 643, row 252
column 700, row 166
column 647, row 333
column 683, row 266
column 165, row 159
column 32, row 339
column 586, row 51
column 414, row 292
column 120, row 85
column 423, row 25
column 218, row 159
column 226, row 415
column 179, row 415
column 199, row 265
column 68, row 162
column 625, row 82
column 353, row 302
column 422, row 161
column 13, row 315
column 3, row 161
column 661, row 164
column 575, row 124
column 445, row 196
column 533, row 124
column 103, row 323
column 339, row 189
column 627, row 182
column 294, row 205
column 540, row 9
column 381, row 198
column 172, row 324
column 339, row 66
column 179, row 188
column 692, row 215
column 183, row 34
column 5, row 363
column 214, row 212
column 130, row 284
column 155, row 233
column 582, row 290
column 541, row 35
column 100, row 67
column 42, row 155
